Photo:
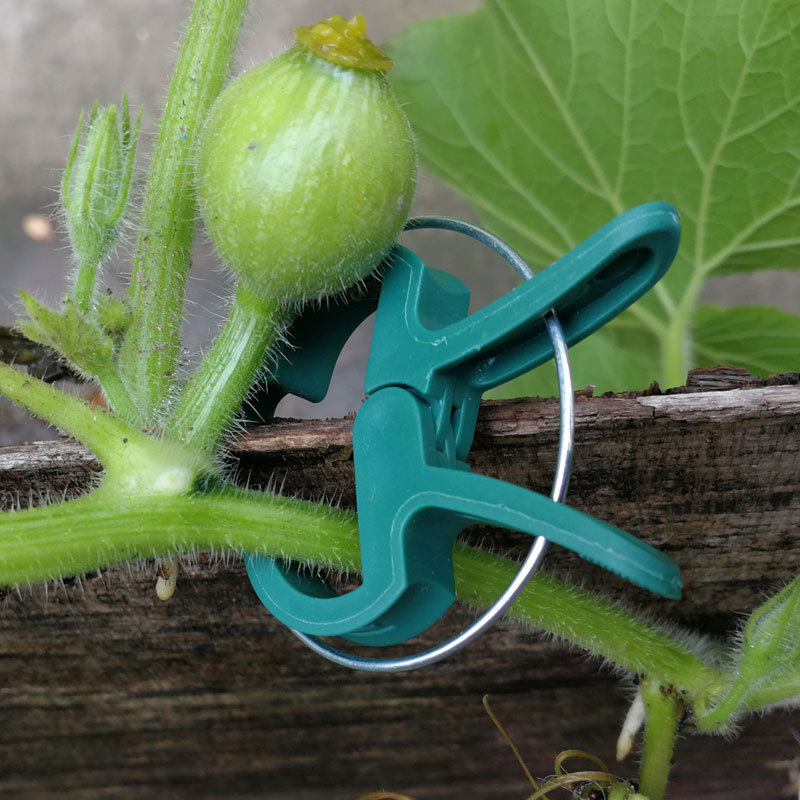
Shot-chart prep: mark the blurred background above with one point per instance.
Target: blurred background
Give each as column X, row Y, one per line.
column 58, row 56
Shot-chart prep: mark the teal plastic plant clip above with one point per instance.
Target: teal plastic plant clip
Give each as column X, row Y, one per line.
column 429, row 364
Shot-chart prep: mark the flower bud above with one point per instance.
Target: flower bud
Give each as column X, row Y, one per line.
column 771, row 637
column 306, row 166
column 96, row 184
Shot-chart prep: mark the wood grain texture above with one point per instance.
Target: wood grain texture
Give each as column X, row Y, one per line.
column 105, row 691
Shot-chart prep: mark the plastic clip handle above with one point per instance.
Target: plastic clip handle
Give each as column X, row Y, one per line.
column 451, row 363
column 588, row 287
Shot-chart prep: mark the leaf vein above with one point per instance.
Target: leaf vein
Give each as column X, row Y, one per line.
column 562, row 107
column 486, row 154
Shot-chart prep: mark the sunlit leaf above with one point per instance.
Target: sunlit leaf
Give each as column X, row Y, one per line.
column 554, row 117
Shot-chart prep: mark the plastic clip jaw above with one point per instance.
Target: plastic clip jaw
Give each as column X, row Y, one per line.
column 428, row 367
column 305, row 367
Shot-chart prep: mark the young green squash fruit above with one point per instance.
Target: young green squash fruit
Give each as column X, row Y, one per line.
column 306, row 166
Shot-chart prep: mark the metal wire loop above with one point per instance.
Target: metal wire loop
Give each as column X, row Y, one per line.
column 558, row 493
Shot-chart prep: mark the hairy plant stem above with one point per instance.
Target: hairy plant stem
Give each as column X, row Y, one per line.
column 134, row 461
column 212, row 398
column 119, row 400
column 149, row 356
column 783, row 692
column 586, row 619
column 726, row 708
column 103, row 433
column 112, row 525
column 660, row 729
column 84, row 287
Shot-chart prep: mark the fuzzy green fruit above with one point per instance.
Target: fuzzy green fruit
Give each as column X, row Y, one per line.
column 306, row 166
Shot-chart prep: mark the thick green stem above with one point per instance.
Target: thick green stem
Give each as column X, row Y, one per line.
column 214, row 395
column 133, row 460
column 677, row 341
column 151, row 348
column 110, row 526
column 660, row 729
column 586, row 619
column 101, row 432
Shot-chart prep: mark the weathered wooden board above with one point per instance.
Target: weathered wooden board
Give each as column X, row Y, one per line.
column 105, row 691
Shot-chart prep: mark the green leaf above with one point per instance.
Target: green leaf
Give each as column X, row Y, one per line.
column 764, row 340
column 552, row 118
column 80, row 341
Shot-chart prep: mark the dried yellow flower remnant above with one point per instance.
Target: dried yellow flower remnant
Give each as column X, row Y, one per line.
column 344, row 42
